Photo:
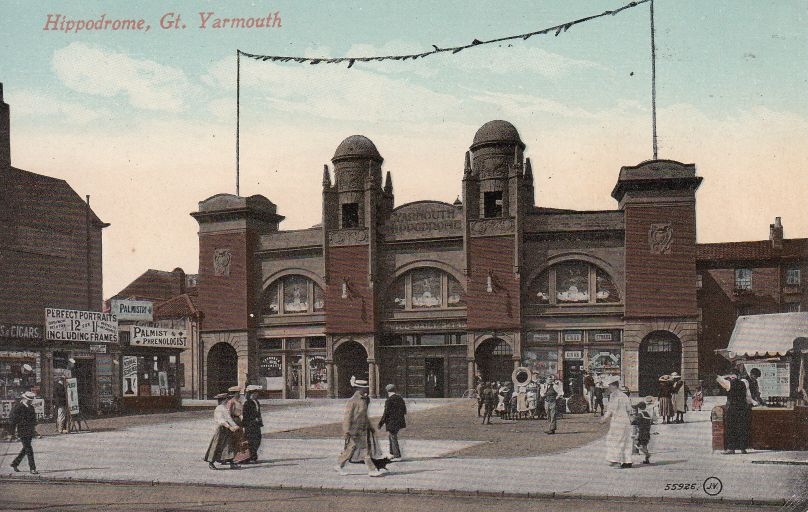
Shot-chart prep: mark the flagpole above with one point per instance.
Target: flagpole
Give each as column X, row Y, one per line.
column 653, row 82
column 238, row 115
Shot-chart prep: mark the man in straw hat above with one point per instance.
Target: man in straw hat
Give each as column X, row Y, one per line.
column 618, row 440
column 23, row 421
column 252, row 421
column 356, row 427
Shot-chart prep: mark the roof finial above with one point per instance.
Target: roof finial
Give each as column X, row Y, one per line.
column 326, row 177
column 467, row 165
column 528, row 170
column 388, row 183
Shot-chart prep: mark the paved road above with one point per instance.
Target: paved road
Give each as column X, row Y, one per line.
column 18, row 495
column 684, row 466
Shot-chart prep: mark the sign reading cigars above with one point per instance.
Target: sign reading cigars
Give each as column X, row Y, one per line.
column 158, row 337
column 88, row 326
column 138, row 310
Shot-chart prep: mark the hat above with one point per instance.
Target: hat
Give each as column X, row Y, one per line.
column 252, row 387
column 234, row 389
column 675, row 375
column 649, row 399
column 28, row 395
column 358, row 383
column 27, row 367
column 665, row 378
column 221, row 396
column 613, row 381
column 390, row 387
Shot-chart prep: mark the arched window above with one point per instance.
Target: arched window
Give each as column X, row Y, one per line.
column 571, row 283
column 293, row 294
column 426, row 288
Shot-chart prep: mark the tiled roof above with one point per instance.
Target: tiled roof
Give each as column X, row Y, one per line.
column 156, row 285
column 177, row 307
column 756, row 250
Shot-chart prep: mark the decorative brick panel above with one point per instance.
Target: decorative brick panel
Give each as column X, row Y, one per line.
column 499, row 309
column 224, row 298
column 353, row 314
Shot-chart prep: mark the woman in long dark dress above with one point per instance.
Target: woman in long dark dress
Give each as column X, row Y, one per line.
column 222, row 446
column 664, row 396
column 738, row 415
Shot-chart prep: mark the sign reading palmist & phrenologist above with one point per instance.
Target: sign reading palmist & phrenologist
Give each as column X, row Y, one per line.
column 158, row 337
column 88, row 326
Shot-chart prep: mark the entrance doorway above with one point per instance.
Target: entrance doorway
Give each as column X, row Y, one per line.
column 494, row 359
column 222, row 368
column 660, row 354
column 433, row 377
column 350, row 359
column 83, row 372
column 294, row 374
column 573, row 377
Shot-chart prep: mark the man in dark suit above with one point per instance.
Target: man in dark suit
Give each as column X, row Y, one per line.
column 23, row 421
column 394, row 411
column 252, row 421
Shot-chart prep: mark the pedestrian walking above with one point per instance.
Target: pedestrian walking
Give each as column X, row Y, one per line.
column 357, row 430
column 393, row 417
column 589, row 390
column 664, row 397
column 489, row 399
column 618, row 440
column 738, row 415
column 551, row 395
column 599, row 390
column 479, row 389
column 698, row 399
column 236, row 408
column 252, row 421
column 643, row 420
column 222, row 447
column 60, row 402
column 23, row 422
column 679, row 397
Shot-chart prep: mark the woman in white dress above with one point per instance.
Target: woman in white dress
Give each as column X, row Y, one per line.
column 618, row 440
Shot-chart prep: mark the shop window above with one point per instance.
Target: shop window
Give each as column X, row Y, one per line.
column 274, row 344
column 605, row 360
column 743, row 279
column 793, row 276
column 19, row 372
column 293, row 295
column 492, row 204
column 318, row 342
column 318, row 374
column 543, row 363
column 350, row 215
column 149, row 376
column 572, row 282
column 294, row 343
column 270, row 369
column 606, row 290
column 426, row 288
column 791, row 307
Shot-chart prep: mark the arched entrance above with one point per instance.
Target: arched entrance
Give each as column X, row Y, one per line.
column 494, row 359
column 660, row 354
column 222, row 368
column 350, row 359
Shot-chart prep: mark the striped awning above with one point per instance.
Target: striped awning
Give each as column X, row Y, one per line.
column 757, row 336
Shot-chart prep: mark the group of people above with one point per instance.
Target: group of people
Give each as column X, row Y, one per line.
column 672, row 396
column 361, row 444
column 238, row 428
column 540, row 399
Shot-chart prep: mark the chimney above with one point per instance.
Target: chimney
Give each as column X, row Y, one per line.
column 776, row 233
column 5, row 133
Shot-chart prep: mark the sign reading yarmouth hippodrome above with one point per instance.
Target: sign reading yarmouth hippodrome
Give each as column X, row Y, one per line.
column 127, row 309
column 89, row 326
column 158, row 337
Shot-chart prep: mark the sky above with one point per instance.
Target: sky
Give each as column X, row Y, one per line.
column 144, row 121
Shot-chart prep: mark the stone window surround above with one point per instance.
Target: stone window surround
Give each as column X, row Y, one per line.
column 407, row 277
column 280, row 283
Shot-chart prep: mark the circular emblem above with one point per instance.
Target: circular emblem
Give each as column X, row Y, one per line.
column 712, row 486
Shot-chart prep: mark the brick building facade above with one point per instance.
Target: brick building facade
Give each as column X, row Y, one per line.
column 429, row 294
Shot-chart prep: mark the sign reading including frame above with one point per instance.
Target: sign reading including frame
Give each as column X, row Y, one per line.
column 158, row 337
column 129, row 309
column 86, row 326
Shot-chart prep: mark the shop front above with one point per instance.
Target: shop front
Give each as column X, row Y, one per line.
column 425, row 365
column 776, row 346
column 293, row 367
column 151, row 377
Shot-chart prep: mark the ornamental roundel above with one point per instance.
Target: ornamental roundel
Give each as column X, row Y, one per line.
column 221, row 262
column 660, row 237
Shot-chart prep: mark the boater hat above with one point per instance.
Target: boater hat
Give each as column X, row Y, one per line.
column 234, row 389
column 675, row 375
column 358, row 383
column 252, row 387
column 28, row 395
column 665, row 378
column 221, row 396
column 390, row 388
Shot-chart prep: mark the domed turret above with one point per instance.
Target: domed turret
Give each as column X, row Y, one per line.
column 357, row 147
column 497, row 132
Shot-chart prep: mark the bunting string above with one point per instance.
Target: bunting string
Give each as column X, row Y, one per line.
column 557, row 29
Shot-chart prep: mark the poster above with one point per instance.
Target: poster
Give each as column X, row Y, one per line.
column 774, row 378
column 72, row 387
column 318, row 373
column 130, row 385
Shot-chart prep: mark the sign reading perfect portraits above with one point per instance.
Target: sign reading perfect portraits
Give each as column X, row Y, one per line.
column 137, row 310
column 87, row 326
column 158, row 337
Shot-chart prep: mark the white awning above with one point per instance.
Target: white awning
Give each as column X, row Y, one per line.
column 765, row 335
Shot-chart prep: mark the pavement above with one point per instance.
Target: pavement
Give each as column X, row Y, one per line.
column 683, row 464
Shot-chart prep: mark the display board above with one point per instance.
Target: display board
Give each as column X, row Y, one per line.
column 774, row 378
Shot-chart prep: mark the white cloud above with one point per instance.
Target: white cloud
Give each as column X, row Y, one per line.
column 519, row 58
column 97, row 71
column 35, row 104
